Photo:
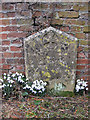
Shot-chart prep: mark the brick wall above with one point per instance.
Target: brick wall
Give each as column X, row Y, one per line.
column 19, row 20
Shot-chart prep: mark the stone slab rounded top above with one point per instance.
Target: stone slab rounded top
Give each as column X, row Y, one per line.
column 51, row 55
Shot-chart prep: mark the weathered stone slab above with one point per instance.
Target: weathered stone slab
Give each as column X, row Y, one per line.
column 51, row 55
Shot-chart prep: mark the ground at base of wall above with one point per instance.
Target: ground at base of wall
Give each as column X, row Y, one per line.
column 47, row 107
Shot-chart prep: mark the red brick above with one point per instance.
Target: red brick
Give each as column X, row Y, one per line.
column 18, row 55
column 80, row 35
column 75, row 28
column 0, row 29
column 19, row 67
column 16, row 34
column 9, row 28
column 37, row 14
column 78, row 72
column 5, row 42
column 68, row 14
column 7, row 6
column 5, row 49
column 2, row 15
column 0, row 55
column 2, row 61
column 79, row 49
column 57, row 21
column 74, row 22
column 83, row 61
column 65, row 29
column 85, row 77
column 0, row 66
column 7, row 55
column 3, row 36
column 11, row 14
column 17, row 41
column 81, row 67
column 22, row 6
column 14, row 21
column 25, row 28
column 81, row 55
column 0, row 7
column 14, row 48
column 5, row 22
column 25, row 13
column 6, row 66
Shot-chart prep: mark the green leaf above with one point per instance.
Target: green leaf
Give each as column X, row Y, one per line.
column 25, row 94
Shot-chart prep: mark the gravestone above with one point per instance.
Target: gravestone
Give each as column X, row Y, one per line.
column 50, row 55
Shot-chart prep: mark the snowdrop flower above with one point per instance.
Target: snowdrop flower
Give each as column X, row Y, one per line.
column 28, row 87
column 17, row 73
column 8, row 78
column 11, row 81
column 84, row 84
column 2, row 86
column 31, row 89
column 44, row 83
column 4, row 94
column 10, row 85
column 33, row 85
column 41, row 81
column 86, row 88
column 34, row 91
column 78, row 80
column 80, row 83
column 1, row 80
column 77, row 88
column 43, row 89
column 4, row 77
column 8, row 75
column 21, row 74
column 82, row 87
column 40, row 91
column 13, row 75
column 4, row 74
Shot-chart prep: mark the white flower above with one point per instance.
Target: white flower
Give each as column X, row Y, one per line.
column 8, row 75
column 82, row 87
column 2, row 86
column 34, row 91
column 84, row 84
column 44, row 83
column 78, row 80
column 77, row 88
column 31, row 89
column 28, row 87
column 41, row 81
column 10, row 85
column 43, row 89
column 21, row 74
column 33, row 86
column 11, row 81
column 86, row 88
column 80, row 83
column 40, row 91
column 8, row 78
column 4, row 77
column 1, row 80
column 4, row 94
column 13, row 75
column 17, row 73
column 4, row 74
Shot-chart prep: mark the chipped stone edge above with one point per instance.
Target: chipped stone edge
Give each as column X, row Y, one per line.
column 47, row 30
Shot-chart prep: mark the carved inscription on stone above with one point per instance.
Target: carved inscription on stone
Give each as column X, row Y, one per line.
column 51, row 55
